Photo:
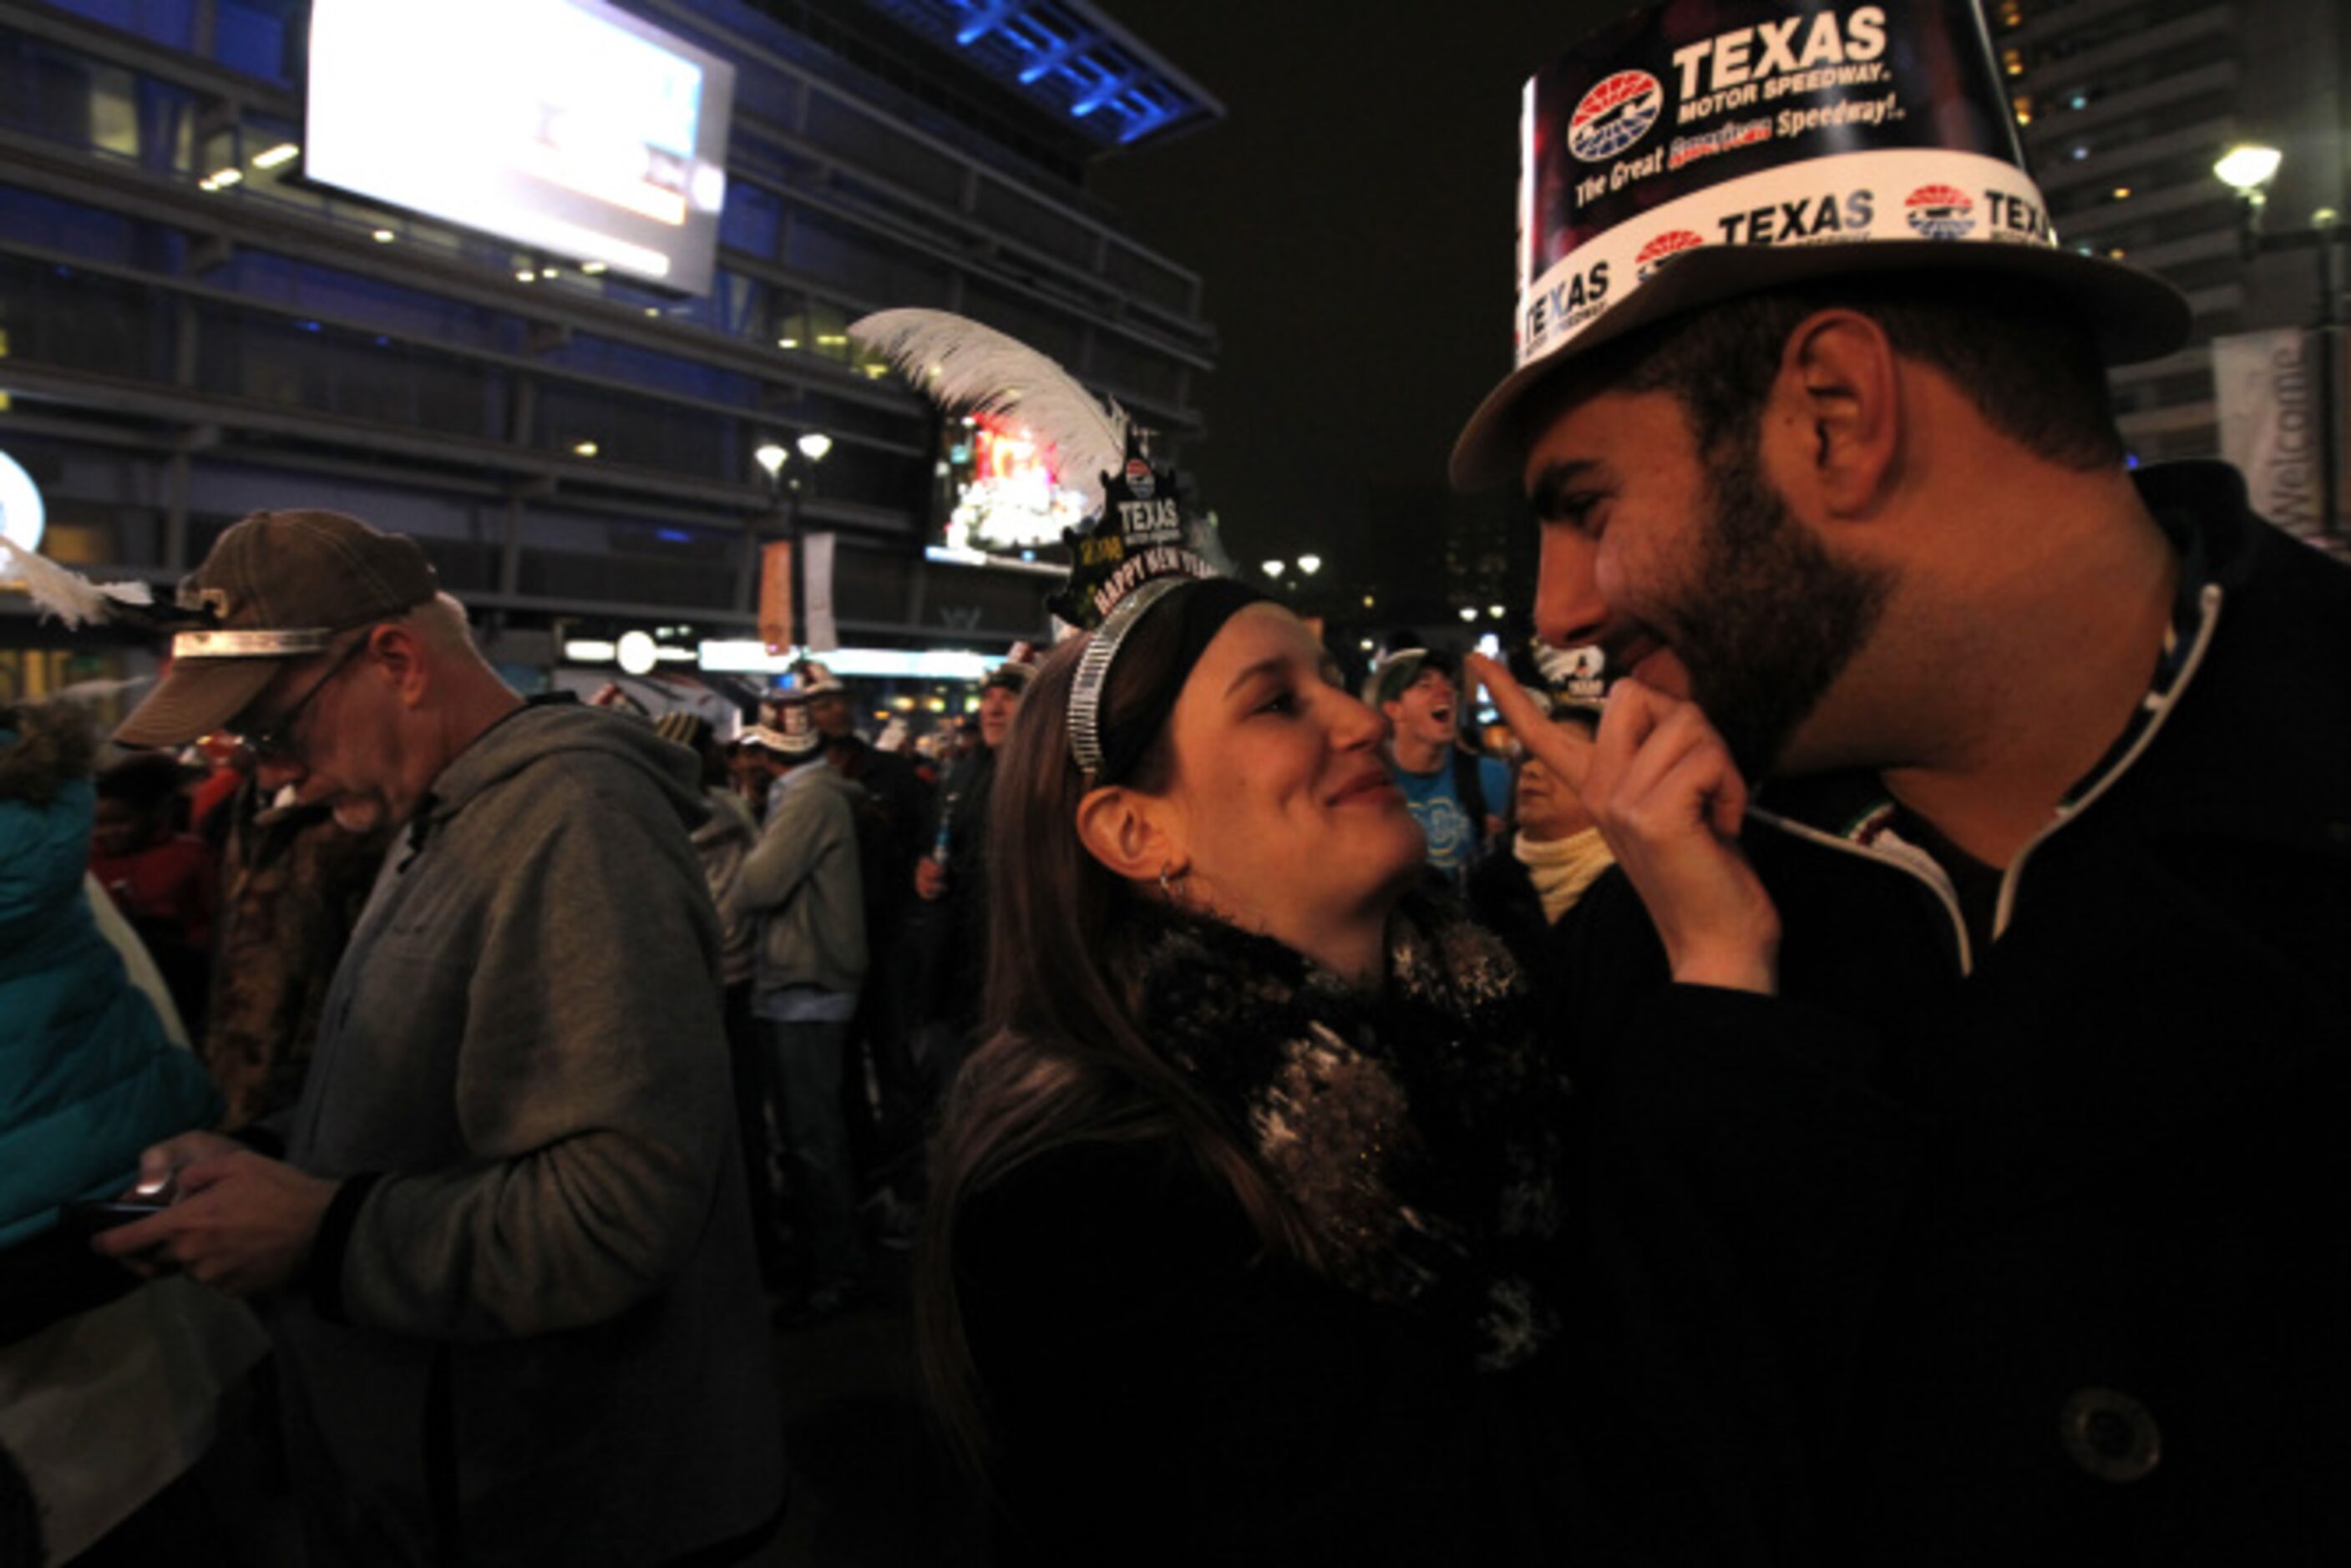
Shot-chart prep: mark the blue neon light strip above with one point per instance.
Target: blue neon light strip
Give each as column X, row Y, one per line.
column 1068, row 57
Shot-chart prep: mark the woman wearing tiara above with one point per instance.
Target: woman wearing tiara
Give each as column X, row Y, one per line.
column 1257, row 1213
column 1261, row 1228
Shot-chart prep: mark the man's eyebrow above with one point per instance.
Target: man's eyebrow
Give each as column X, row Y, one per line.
column 1543, row 494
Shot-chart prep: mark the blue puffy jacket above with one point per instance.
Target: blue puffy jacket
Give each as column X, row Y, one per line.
column 86, row 1077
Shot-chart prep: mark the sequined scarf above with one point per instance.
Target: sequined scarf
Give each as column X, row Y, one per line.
column 1418, row 1132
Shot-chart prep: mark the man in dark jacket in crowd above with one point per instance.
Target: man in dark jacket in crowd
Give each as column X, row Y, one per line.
column 895, row 810
column 517, row 1314
column 2055, row 765
column 953, row 880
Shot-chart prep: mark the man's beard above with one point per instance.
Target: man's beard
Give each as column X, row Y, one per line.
column 1771, row 621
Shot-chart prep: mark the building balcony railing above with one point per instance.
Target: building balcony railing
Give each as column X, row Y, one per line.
column 2051, row 76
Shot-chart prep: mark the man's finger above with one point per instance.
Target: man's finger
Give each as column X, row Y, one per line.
column 1630, row 716
column 1705, row 776
column 140, row 1236
column 1677, row 733
column 156, row 1163
column 1565, row 751
column 196, row 1177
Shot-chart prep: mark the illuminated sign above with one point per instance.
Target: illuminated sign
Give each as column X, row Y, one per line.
column 568, row 126
column 22, row 517
column 1006, row 490
column 948, row 664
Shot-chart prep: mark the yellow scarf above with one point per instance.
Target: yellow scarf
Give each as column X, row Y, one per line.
column 1562, row 869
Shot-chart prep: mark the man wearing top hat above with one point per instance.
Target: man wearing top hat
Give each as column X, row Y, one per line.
column 517, row 1315
column 2051, row 768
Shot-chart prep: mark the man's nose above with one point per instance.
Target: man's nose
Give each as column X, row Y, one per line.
column 274, row 774
column 1569, row 610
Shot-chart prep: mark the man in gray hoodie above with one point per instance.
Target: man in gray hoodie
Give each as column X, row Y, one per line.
column 516, row 1313
column 803, row 881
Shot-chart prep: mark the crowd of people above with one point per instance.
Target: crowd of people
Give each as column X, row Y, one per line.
column 1862, row 1089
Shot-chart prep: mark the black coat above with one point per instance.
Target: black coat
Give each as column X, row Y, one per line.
column 2112, row 1326
column 955, row 926
column 1501, row 894
column 1164, row 1390
column 1163, row 1393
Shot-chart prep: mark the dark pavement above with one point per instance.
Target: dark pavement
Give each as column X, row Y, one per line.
column 873, row 1485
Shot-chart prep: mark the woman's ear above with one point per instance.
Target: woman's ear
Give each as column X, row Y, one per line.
column 1129, row 832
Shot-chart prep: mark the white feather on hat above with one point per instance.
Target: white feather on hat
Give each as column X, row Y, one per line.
column 67, row 595
column 962, row 365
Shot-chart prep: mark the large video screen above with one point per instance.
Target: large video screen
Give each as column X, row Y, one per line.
column 568, row 126
column 1005, row 490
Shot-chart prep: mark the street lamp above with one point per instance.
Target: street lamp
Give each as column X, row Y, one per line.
column 2249, row 169
column 775, row 459
column 1309, row 564
column 1275, row 568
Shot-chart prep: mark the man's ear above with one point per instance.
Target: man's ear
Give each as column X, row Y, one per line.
column 1836, row 414
column 1129, row 832
column 399, row 654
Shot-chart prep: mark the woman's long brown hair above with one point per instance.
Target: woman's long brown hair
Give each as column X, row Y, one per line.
column 1065, row 1058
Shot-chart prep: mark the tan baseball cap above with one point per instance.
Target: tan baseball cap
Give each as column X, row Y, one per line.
column 276, row 588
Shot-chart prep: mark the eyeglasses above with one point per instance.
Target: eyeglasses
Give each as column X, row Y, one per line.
column 275, row 741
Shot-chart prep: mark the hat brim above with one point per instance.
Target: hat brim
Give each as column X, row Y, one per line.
column 196, row 698
column 2135, row 315
column 777, row 744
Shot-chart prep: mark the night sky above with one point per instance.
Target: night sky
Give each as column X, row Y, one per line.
column 1352, row 220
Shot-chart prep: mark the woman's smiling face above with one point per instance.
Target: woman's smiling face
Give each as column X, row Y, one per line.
column 1285, row 813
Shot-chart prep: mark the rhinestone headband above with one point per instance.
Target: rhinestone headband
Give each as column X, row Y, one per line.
column 1093, row 671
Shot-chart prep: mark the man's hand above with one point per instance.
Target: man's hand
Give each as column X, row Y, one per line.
column 1670, row 801
column 242, row 1223
column 160, row 1164
column 930, row 879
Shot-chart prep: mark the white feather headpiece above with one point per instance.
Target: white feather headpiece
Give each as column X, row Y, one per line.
column 70, row 596
column 962, row 365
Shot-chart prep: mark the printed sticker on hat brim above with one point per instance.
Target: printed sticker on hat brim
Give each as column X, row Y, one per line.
column 1853, row 199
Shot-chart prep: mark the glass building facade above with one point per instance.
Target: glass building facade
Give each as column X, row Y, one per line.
column 191, row 329
column 2125, row 105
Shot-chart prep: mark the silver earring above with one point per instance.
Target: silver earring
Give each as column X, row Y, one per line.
column 1167, row 884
